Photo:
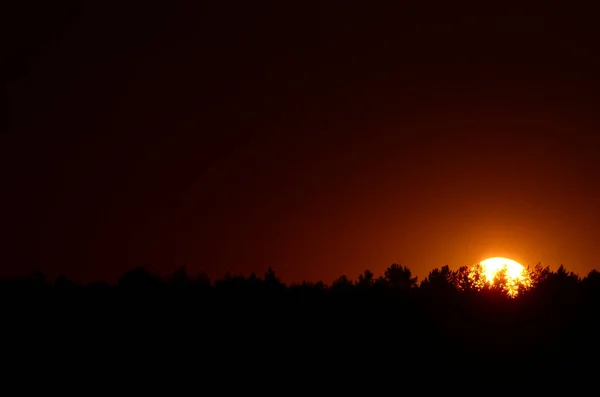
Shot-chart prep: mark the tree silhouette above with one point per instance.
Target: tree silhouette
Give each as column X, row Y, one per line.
column 442, row 280
column 272, row 282
column 539, row 273
column 179, row 278
column 400, row 277
column 366, row 280
column 449, row 313
column 63, row 283
column 139, row 279
column 271, row 277
column 470, row 279
column 592, row 281
column 201, row 281
column 500, row 284
column 342, row 283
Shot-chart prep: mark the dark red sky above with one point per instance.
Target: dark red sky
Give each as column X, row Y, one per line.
column 318, row 139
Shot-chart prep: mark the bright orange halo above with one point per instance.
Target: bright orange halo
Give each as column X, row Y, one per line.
column 516, row 274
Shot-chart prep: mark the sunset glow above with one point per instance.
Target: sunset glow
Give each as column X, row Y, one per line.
column 516, row 274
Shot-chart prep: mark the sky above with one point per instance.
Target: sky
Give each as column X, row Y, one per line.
column 317, row 138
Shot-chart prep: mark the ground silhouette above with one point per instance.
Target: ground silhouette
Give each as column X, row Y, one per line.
column 448, row 321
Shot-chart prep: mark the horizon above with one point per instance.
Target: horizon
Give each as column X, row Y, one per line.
column 327, row 282
column 318, row 140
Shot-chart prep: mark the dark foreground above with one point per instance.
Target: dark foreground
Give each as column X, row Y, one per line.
column 267, row 332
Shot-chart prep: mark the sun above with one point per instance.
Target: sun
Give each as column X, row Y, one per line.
column 516, row 274
column 492, row 266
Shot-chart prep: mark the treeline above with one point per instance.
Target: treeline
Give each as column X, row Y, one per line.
column 553, row 321
column 396, row 279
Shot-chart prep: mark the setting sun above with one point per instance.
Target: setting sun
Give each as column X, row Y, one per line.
column 516, row 274
column 491, row 266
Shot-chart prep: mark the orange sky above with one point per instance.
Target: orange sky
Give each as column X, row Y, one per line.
column 299, row 139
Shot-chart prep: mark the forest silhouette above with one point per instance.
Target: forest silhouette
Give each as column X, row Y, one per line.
column 448, row 318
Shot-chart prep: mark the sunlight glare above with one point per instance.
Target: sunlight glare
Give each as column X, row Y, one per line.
column 516, row 274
